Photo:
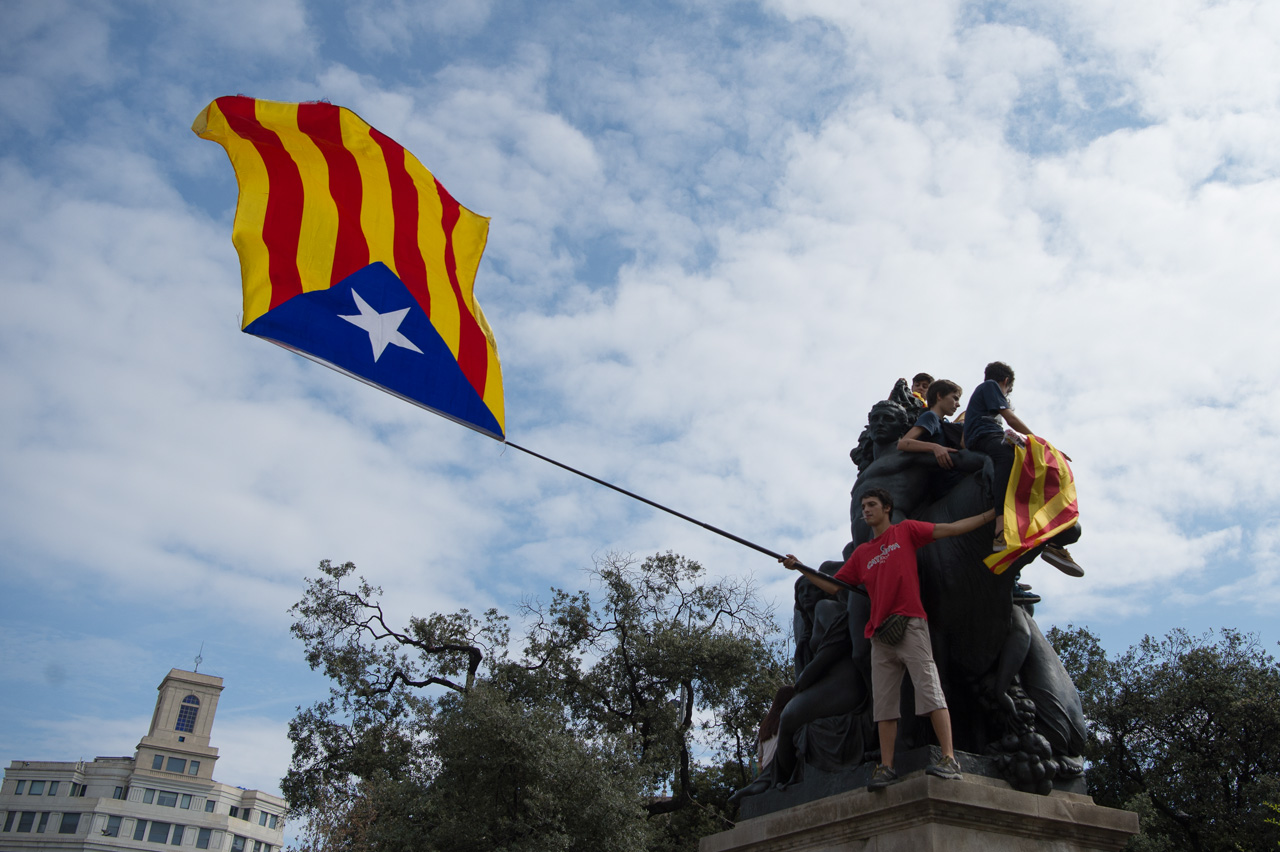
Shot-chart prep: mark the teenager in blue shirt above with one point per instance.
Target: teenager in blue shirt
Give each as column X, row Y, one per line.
column 943, row 400
column 984, row 433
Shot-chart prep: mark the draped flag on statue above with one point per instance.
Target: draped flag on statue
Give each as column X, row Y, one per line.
column 355, row 256
column 1039, row 503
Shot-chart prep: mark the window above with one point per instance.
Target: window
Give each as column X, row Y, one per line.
column 262, row 817
column 113, row 827
column 70, row 824
column 194, row 768
column 37, row 789
column 273, row 821
column 235, row 811
column 8, row 820
column 140, row 830
column 237, row 843
column 119, row 793
column 176, row 764
column 83, row 787
column 202, row 838
column 28, row 821
column 53, row 788
column 208, row 805
column 159, row 832
column 257, row 846
column 17, row 791
column 186, row 800
column 44, row 822
column 187, row 714
column 176, row 840
column 75, row 789
column 148, row 795
column 157, row 762
column 167, row 799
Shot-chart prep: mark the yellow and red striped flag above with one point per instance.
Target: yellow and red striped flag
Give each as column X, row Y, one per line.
column 353, row 254
column 1039, row 503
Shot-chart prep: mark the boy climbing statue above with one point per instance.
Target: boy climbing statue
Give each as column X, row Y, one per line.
column 984, row 433
column 898, row 627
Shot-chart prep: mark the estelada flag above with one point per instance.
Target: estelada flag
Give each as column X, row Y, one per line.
column 1039, row 503
column 355, row 256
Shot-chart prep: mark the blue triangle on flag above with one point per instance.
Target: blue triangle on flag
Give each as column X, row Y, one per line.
column 312, row 324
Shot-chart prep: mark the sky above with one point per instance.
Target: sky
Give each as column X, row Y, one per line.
column 720, row 231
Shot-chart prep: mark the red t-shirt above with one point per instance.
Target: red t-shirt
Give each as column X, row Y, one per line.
column 886, row 565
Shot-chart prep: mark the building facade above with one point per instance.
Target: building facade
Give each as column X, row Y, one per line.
column 163, row 796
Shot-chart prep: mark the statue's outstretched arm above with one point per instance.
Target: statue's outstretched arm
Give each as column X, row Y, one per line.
column 820, row 664
column 968, row 461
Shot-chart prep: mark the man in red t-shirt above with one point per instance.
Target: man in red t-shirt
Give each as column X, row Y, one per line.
column 886, row 565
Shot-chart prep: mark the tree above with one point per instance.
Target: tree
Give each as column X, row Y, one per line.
column 440, row 735
column 662, row 645
column 1185, row 731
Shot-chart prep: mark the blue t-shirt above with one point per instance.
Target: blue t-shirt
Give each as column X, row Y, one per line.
column 932, row 427
column 985, row 403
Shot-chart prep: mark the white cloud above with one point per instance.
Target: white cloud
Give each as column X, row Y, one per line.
column 381, row 26
column 253, row 751
column 47, row 48
column 250, row 30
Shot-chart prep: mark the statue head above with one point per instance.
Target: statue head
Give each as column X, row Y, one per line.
column 887, row 422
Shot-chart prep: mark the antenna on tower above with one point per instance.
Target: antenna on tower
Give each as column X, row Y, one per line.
column 199, row 657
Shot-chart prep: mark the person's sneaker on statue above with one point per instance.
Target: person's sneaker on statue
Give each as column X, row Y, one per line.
column 1057, row 556
column 947, row 768
column 882, row 777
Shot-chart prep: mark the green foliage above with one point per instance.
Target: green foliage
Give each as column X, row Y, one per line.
column 441, row 736
column 1271, row 820
column 514, row 777
column 708, row 811
column 1185, row 731
column 663, row 643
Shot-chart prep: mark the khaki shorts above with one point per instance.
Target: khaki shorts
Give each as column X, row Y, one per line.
column 913, row 654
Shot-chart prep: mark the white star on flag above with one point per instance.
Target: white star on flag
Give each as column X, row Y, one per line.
column 383, row 329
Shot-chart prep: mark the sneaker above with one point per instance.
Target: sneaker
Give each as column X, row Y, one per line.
column 948, row 768
column 882, row 777
column 1022, row 597
column 1057, row 556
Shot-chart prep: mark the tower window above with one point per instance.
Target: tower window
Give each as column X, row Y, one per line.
column 187, row 714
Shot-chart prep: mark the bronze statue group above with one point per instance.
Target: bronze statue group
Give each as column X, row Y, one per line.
column 937, row 635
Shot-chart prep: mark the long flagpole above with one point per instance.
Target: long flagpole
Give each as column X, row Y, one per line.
column 802, row 568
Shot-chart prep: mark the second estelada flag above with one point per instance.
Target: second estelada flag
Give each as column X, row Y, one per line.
column 354, row 255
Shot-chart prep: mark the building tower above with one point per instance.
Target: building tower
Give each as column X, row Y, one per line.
column 163, row 796
column 179, row 737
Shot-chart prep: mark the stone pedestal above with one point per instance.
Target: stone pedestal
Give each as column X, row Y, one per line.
column 926, row 814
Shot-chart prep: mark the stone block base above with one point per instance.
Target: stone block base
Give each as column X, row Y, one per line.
column 926, row 814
